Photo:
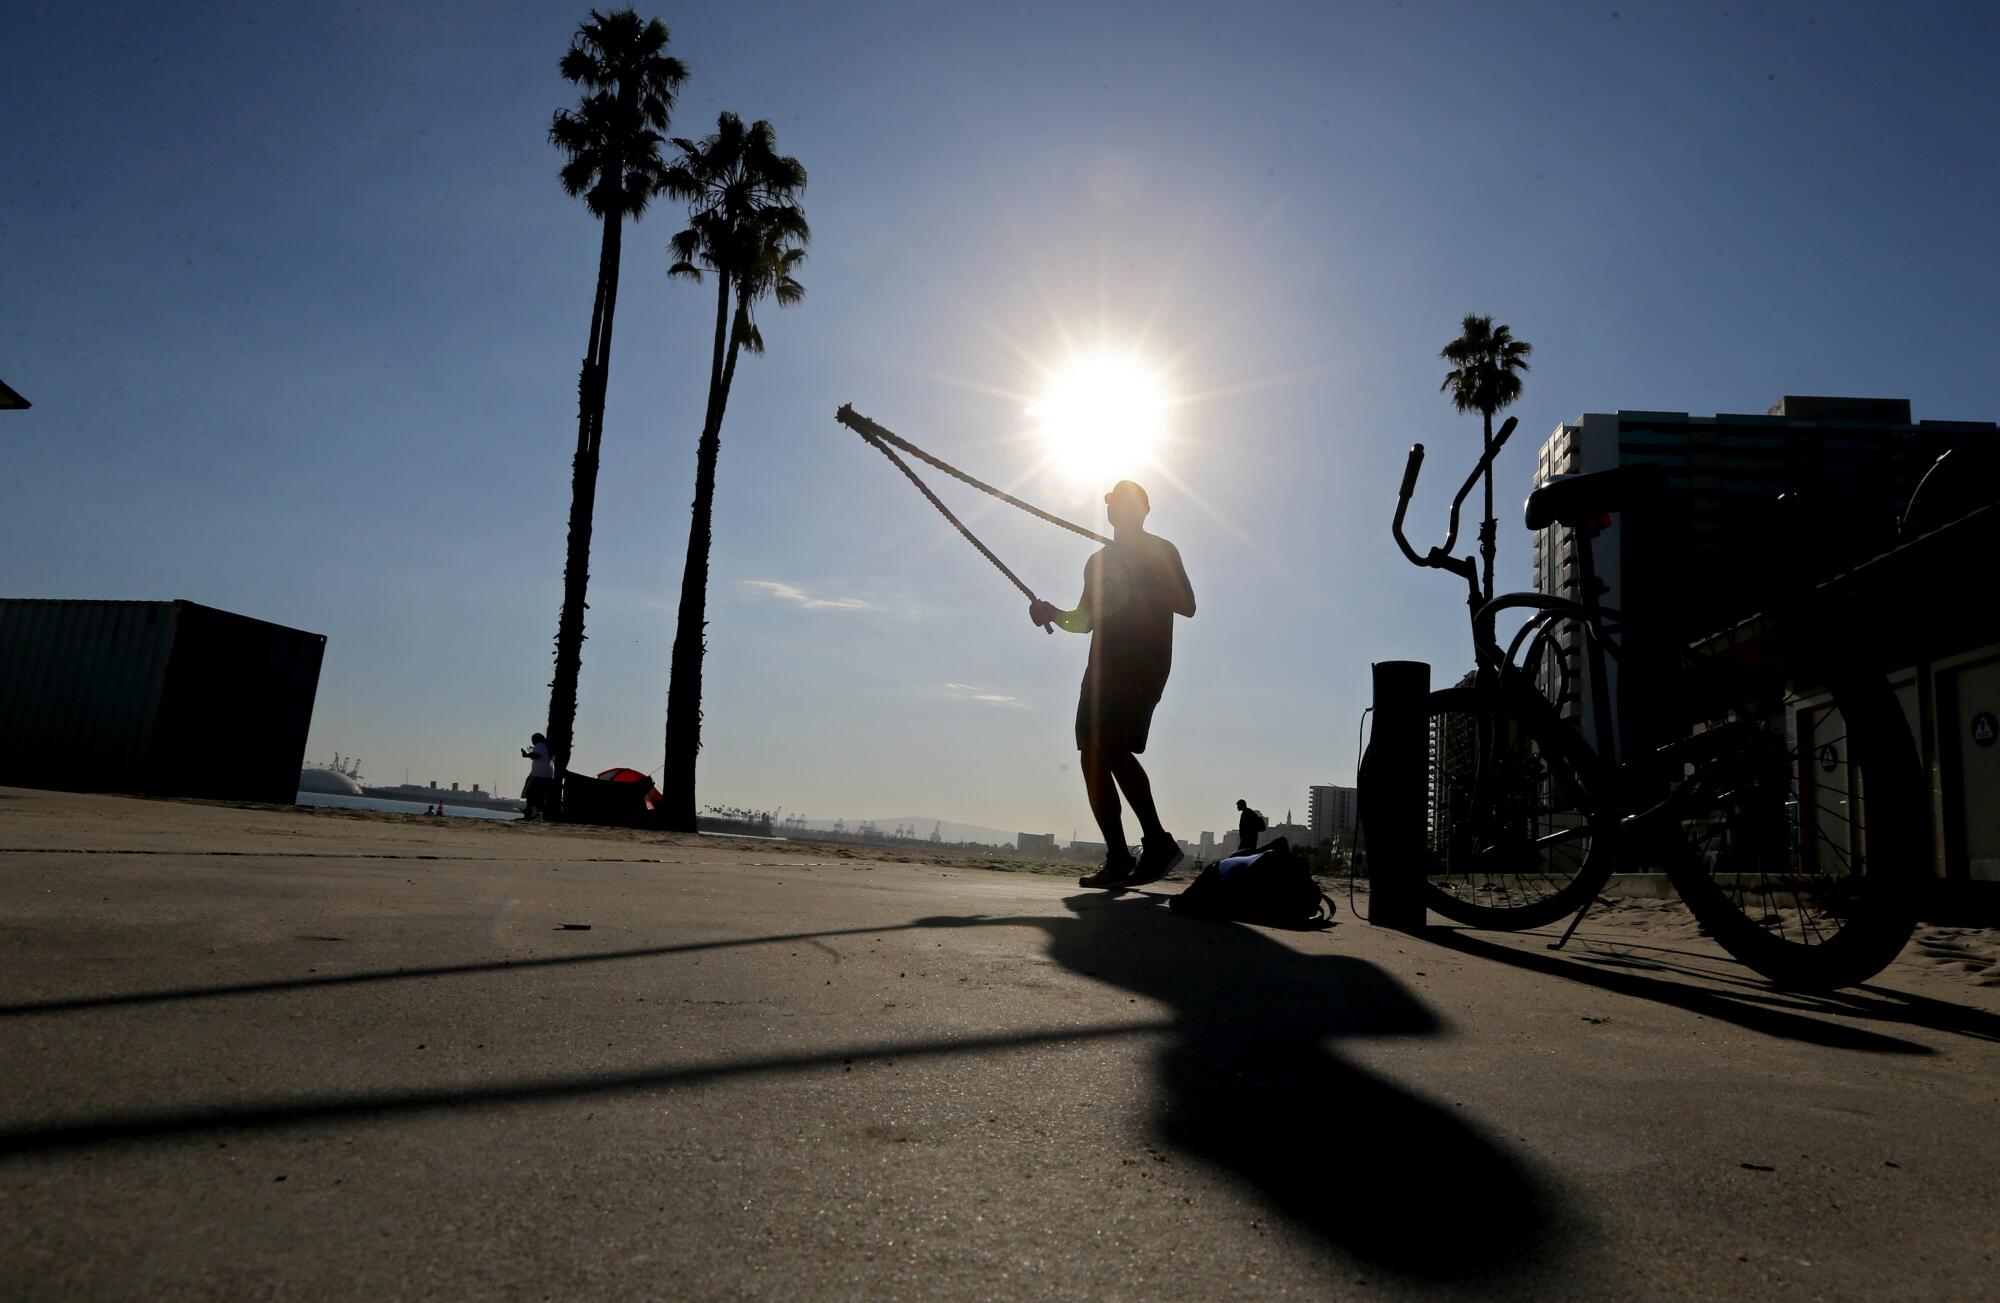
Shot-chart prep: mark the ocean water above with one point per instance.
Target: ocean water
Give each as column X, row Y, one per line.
column 398, row 807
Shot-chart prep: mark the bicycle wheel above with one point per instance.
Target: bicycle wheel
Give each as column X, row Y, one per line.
column 1514, row 837
column 1805, row 819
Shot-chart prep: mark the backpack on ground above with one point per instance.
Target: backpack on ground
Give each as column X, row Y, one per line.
column 1271, row 886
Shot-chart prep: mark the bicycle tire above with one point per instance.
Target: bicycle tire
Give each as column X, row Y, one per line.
column 1492, row 862
column 1833, row 904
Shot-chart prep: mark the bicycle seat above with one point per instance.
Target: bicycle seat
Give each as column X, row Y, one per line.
column 1576, row 500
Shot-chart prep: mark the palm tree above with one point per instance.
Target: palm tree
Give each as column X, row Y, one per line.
column 745, row 228
column 611, row 145
column 1487, row 362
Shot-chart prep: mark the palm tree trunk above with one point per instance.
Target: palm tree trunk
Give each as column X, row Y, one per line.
column 1486, row 539
column 737, row 330
column 591, row 383
column 683, row 740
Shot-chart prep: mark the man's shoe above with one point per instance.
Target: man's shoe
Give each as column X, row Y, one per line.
column 1115, row 873
column 1157, row 858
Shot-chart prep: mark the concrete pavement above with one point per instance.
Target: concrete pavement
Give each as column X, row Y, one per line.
column 261, row 1053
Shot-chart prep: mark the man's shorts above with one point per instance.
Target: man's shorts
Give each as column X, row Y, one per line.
column 1115, row 715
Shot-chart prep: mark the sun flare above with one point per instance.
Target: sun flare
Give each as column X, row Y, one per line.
column 1101, row 419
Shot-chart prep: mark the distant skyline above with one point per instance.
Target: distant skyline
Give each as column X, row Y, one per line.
column 299, row 303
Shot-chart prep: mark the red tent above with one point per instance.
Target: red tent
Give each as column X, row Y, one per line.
column 622, row 775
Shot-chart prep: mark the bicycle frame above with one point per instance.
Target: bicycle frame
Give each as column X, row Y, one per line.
column 1494, row 665
column 1643, row 831
column 1440, row 558
column 1490, row 661
column 1730, row 768
column 1599, row 647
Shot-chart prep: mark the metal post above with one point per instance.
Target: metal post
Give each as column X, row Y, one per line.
column 1395, row 777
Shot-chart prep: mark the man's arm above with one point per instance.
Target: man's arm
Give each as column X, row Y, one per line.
column 1182, row 591
column 1048, row 614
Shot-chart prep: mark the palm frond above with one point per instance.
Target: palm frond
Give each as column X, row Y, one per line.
column 744, row 215
column 680, row 181
column 570, row 132
column 1486, row 364
column 685, row 246
column 614, row 136
column 582, row 67
column 786, row 222
column 578, row 175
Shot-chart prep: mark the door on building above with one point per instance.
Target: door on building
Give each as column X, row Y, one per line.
column 1968, row 726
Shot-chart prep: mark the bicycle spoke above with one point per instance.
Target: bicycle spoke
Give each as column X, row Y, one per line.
column 1507, row 828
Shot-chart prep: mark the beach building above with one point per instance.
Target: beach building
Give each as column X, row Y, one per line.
column 1708, row 551
column 1297, row 835
column 1331, row 812
column 161, row 698
column 1035, row 843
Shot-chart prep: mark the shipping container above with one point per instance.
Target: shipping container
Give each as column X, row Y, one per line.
column 164, row 698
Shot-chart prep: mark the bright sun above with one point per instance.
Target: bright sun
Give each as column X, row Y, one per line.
column 1101, row 418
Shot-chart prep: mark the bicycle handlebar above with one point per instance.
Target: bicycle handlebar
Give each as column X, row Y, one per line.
column 1410, row 469
column 1440, row 557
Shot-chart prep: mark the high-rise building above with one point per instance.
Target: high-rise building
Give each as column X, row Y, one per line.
column 1711, row 549
column 1330, row 813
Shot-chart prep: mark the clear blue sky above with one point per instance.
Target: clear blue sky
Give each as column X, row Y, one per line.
column 300, row 304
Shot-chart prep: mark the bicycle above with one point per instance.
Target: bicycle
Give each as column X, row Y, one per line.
column 1787, row 805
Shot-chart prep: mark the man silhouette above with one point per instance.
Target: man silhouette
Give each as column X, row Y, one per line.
column 538, row 794
column 1132, row 590
column 1249, row 825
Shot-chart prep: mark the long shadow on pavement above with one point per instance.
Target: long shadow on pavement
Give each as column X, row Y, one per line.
column 1248, row 1084
column 1754, row 1010
column 1870, row 1003
column 169, row 995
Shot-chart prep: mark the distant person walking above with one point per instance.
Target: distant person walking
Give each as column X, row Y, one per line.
column 539, row 792
column 1250, row 825
column 1132, row 590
